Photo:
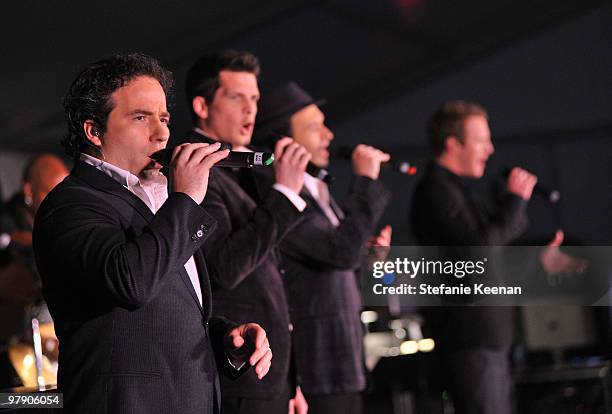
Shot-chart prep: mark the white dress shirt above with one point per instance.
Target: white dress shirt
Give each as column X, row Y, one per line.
column 320, row 192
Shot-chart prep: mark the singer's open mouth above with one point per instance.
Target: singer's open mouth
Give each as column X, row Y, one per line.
column 153, row 165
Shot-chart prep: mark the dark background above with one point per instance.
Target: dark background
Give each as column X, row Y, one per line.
column 542, row 69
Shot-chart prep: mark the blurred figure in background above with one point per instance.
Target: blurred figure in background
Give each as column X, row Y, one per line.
column 474, row 341
column 322, row 253
column 20, row 290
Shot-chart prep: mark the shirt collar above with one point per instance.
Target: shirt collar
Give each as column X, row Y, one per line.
column 310, row 183
column 123, row 177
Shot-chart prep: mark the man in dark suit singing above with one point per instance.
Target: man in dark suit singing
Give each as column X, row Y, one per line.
column 242, row 254
column 118, row 253
column 322, row 253
column 474, row 341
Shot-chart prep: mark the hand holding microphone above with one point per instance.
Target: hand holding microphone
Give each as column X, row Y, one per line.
column 190, row 166
column 522, row 183
column 290, row 163
column 391, row 164
column 367, row 160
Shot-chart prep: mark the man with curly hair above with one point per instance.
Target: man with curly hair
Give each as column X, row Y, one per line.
column 118, row 253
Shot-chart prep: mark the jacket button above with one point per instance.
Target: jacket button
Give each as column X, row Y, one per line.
column 290, row 327
column 199, row 233
column 282, row 271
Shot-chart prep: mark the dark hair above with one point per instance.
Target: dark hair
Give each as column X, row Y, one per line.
column 89, row 96
column 266, row 137
column 203, row 76
column 448, row 121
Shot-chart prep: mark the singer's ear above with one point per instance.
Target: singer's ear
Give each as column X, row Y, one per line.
column 91, row 132
column 452, row 144
column 200, row 107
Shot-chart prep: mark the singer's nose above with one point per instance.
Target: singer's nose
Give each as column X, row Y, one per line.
column 327, row 133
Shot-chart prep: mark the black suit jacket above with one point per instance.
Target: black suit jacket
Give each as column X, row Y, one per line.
column 320, row 260
column 133, row 336
column 245, row 268
column 446, row 213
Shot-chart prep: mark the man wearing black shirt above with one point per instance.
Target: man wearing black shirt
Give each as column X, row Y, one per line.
column 474, row 341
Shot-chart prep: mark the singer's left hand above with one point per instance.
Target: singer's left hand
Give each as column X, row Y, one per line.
column 555, row 262
column 366, row 161
column 379, row 245
column 383, row 239
column 249, row 341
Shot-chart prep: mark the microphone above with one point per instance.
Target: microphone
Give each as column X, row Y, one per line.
column 320, row 173
column 234, row 159
column 552, row 196
column 398, row 166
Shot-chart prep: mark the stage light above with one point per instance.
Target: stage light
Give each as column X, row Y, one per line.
column 369, row 316
column 426, row 345
column 409, row 347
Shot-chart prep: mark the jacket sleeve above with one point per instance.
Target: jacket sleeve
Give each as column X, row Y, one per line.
column 234, row 251
column 453, row 221
column 341, row 247
column 86, row 238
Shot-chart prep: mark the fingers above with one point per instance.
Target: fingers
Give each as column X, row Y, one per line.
column 262, row 367
column 367, row 160
column 386, row 232
column 237, row 341
column 371, row 152
column 383, row 239
column 523, row 176
column 521, row 182
column 180, row 154
column 558, row 239
column 304, row 158
column 279, row 149
column 294, row 154
column 262, row 346
column 260, row 335
column 214, row 158
column 292, row 406
column 186, row 153
column 198, row 154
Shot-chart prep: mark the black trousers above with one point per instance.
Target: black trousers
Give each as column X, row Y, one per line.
column 279, row 405
column 479, row 380
column 347, row 403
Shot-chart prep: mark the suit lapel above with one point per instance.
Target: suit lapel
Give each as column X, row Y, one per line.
column 103, row 182
column 307, row 195
column 204, row 283
column 336, row 208
column 190, row 288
